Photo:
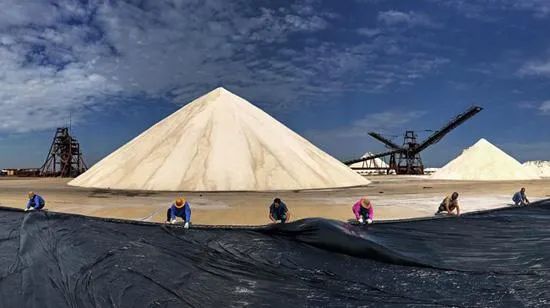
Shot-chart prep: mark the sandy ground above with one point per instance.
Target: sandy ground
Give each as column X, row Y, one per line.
column 394, row 197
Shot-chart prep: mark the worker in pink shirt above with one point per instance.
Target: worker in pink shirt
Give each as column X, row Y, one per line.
column 363, row 210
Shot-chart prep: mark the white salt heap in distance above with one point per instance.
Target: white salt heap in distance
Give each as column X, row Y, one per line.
column 377, row 162
column 541, row 167
column 484, row 162
column 219, row 142
column 361, row 167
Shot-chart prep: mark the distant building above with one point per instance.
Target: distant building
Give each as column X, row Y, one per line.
column 8, row 172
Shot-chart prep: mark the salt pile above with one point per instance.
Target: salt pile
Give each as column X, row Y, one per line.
column 540, row 167
column 361, row 167
column 219, row 142
column 484, row 162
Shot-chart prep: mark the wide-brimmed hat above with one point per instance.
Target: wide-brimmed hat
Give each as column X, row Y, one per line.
column 180, row 202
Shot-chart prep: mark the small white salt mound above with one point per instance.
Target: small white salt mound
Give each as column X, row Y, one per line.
column 541, row 167
column 371, row 163
column 219, row 142
column 484, row 162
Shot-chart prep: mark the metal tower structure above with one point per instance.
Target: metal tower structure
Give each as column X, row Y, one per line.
column 64, row 158
column 408, row 159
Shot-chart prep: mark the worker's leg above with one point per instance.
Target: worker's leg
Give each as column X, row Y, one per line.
column 168, row 215
column 283, row 218
column 364, row 213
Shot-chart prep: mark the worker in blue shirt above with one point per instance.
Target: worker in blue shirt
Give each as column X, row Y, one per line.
column 520, row 198
column 35, row 202
column 180, row 208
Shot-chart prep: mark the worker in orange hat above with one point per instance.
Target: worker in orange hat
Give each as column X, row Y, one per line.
column 180, row 208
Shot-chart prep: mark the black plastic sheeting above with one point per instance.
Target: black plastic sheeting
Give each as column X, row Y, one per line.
column 493, row 259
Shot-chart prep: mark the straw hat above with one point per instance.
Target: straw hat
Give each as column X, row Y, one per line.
column 180, row 202
column 365, row 201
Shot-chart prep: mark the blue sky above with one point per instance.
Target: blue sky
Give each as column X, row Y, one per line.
column 330, row 70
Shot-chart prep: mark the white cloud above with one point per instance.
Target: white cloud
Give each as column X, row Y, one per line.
column 74, row 57
column 369, row 32
column 536, row 68
column 488, row 10
column 408, row 19
column 385, row 121
column 540, row 8
column 545, row 107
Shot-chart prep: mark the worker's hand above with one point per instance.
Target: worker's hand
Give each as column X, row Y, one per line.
column 360, row 220
column 186, row 226
column 31, row 209
column 173, row 221
column 369, row 221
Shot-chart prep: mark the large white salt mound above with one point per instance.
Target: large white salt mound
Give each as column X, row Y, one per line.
column 484, row 162
column 219, row 142
column 541, row 167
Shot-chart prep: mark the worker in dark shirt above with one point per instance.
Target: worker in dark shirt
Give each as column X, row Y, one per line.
column 35, row 202
column 278, row 211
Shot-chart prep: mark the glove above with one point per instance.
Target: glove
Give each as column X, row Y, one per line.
column 186, row 226
column 31, row 209
column 26, row 209
column 369, row 221
column 361, row 220
column 173, row 221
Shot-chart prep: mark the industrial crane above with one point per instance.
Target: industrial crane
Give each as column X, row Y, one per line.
column 64, row 157
column 406, row 159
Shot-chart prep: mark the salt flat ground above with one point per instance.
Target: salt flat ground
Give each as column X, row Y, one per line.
column 394, row 197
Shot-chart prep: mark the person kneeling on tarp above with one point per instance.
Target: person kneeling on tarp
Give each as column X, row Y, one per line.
column 363, row 210
column 278, row 211
column 35, row 202
column 520, row 198
column 180, row 208
column 449, row 205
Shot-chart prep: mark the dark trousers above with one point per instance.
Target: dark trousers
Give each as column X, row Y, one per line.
column 169, row 215
column 363, row 212
column 282, row 218
column 39, row 206
column 443, row 209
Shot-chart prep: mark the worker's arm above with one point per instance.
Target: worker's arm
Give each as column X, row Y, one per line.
column 187, row 212
column 288, row 215
column 371, row 213
column 526, row 200
column 457, row 209
column 271, row 213
column 356, row 207
column 446, row 204
column 172, row 213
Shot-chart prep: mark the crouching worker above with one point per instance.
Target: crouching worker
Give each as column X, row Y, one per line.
column 180, row 208
column 278, row 212
column 520, row 198
column 35, row 202
column 449, row 205
column 363, row 210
